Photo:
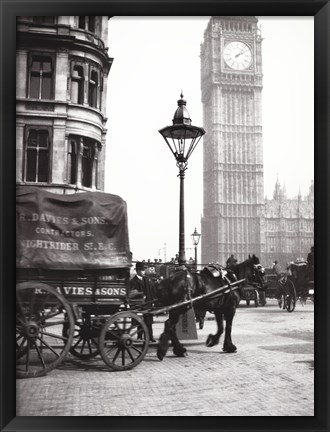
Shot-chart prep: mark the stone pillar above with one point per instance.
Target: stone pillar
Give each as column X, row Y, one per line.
column 62, row 74
column 58, row 173
column 21, row 74
column 19, row 151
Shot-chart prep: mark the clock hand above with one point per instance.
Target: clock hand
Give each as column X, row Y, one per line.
column 240, row 53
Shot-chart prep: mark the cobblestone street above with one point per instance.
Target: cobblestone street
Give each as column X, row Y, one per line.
column 272, row 370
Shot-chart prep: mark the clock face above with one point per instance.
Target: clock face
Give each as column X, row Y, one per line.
column 237, row 55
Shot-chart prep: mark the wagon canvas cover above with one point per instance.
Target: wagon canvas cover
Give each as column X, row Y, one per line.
column 86, row 230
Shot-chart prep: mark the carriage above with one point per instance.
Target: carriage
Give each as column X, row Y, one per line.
column 73, row 267
column 302, row 276
column 297, row 283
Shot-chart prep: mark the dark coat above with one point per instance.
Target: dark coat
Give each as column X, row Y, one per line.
column 144, row 286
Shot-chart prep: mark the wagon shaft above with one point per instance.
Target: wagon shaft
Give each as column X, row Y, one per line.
column 216, row 293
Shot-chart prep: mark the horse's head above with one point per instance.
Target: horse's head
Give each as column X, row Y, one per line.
column 258, row 272
column 254, row 260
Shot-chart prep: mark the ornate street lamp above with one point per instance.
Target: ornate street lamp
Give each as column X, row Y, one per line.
column 195, row 238
column 182, row 138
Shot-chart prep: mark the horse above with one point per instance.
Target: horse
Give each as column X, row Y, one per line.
column 183, row 284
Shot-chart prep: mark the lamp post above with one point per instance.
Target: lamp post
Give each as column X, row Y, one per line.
column 182, row 138
column 195, row 238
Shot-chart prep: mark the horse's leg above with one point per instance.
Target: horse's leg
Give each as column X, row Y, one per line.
column 214, row 339
column 163, row 342
column 228, row 345
column 170, row 334
column 178, row 349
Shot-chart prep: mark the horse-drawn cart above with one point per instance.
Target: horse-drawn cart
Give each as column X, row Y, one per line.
column 302, row 276
column 73, row 267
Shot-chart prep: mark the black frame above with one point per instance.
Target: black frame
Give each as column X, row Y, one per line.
column 320, row 9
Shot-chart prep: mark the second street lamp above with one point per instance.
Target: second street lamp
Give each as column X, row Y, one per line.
column 182, row 138
column 195, row 238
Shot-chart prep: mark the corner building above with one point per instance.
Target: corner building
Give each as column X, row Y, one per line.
column 62, row 71
column 231, row 85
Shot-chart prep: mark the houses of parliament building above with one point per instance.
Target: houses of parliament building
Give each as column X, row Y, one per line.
column 237, row 219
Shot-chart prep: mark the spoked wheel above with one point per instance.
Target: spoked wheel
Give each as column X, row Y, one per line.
column 41, row 313
column 85, row 338
column 119, row 344
column 290, row 296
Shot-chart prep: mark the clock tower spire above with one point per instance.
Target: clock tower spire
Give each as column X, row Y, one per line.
column 231, row 84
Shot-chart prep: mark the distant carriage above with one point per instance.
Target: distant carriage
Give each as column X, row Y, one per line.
column 302, row 276
column 297, row 283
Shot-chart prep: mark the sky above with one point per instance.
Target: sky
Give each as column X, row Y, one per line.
column 154, row 59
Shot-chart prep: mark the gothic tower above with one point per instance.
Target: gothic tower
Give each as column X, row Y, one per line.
column 62, row 70
column 231, row 84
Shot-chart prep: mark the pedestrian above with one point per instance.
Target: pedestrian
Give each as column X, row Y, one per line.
column 310, row 258
column 231, row 261
column 310, row 264
column 277, row 269
column 140, row 286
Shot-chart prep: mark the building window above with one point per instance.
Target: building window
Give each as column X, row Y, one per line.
column 77, row 85
column 82, row 22
column 82, row 161
column 91, row 24
column 88, row 153
column 92, row 89
column 41, row 77
column 87, row 23
column 37, row 156
column 72, row 161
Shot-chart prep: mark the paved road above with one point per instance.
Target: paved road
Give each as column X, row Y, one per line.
column 272, row 374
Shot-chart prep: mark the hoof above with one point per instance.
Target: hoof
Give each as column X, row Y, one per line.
column 229, row 349
column 211, row 341
column 162, row 348
column 180, row 351
column 160, row 354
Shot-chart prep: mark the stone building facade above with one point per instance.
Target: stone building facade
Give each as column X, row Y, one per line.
column 237, row 219
column 62, row 71
column 288, row 226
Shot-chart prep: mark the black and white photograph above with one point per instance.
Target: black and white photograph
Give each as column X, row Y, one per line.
column 165, row 226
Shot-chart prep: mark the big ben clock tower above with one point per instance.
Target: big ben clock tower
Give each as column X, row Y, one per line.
column 231, row 84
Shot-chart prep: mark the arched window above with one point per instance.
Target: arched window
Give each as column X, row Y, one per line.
column 37, row 156
column 41, row 77
column 92, row 89
column 77, row 85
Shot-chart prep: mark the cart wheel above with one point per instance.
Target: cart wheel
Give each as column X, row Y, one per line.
column 41, row 313
column 291, row 296
column 119, row 344
column 85, row 339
